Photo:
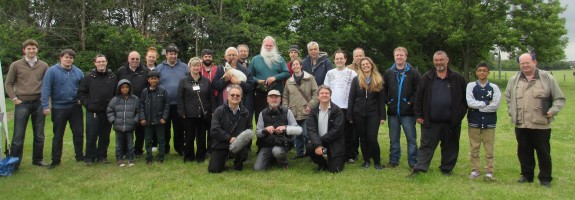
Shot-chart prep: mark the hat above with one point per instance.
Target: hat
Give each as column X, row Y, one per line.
column 153, row 73
column 274, row 92
column 294, row 48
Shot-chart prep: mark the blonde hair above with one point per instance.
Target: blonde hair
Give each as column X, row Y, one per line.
column 194, row 61
column 376, row 82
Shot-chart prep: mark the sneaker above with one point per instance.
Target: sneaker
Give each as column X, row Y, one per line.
column 546, row 184
column 366, row 165
column 104, row 161
column 474, row 175
column 378, row 166
column 121, row 163
column 489, row 177
column 154, row 149
column 350, row 161
column 131, row 163
column 40, row 163
column 391, row 165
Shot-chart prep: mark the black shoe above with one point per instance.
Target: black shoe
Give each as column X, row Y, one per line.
column 378, row 166
column 79, row 158
column 524, row 179
column 366, row 165
column 53, row 166
column 104, row 161
column 40, row 163
column 391, row 165
column 350, row 161
column 88, row 162
column 414, row 173
column 546, row 184
column 149, row 162
column 446, row 172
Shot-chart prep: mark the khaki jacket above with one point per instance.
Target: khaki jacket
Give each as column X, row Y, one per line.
column 293, row 99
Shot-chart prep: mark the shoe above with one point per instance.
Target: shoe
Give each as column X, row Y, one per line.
column 391, row 165
column 88, row 163
column 378, row 166
column 446, row 173
column 149, row 162
column 524, row 179
column 154, row 149
column 366, row 165
column 138, row 155
column 40, row 163
column 411, row 167
column 131, row 163
column 121, row 163
column 474, row 175
column 79, row 158
column 489, row 177
column 199, row 160
column 415, row 173
column 53, row 166
column 104, row 161
column 350, row 161
column 546, row 184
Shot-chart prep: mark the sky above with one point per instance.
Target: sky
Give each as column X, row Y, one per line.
column 569, row 16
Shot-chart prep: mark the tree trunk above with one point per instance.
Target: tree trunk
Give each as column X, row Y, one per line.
column 83, row 26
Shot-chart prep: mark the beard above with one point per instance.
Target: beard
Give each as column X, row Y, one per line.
column 274, row 105
column 207, row 62
column 270, row 57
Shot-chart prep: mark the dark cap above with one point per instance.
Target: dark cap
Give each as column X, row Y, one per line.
column 294, row 48
column 153, row 73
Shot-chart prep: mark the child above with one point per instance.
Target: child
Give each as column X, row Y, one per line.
column 154, row 110
column 123, row 114
column 483, row 101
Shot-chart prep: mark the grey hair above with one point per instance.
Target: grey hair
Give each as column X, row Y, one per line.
column 312, row 43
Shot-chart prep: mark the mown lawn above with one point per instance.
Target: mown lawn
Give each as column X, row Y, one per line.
column 177, row 180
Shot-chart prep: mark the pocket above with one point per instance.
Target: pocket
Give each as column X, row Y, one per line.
column 539, row 117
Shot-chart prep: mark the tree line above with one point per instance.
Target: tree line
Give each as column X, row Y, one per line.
column 469, row 31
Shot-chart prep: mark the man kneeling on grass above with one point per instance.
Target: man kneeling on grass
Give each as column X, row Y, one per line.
column 325, row 129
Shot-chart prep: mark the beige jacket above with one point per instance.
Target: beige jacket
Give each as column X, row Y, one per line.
column 293, row 99
column 525, row 103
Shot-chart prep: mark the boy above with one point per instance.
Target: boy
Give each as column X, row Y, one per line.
column 483, row 101
column 154, row 110
column 123, row 114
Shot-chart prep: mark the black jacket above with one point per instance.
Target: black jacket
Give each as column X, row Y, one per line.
column 97, row 89
column 224, row 127
column 189, row 103
column 423, row 105
column 334, row 139
column 123, row 112
column 154, row 105
column 361, row 102
column 322, row 66
column 138, row 78
column 220, row 84
column 400, row 89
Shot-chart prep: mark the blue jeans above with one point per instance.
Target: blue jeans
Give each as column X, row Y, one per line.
column 158, row 132
column 22, row 113
column 301, row 140
column 60, row 117
column 408, row 123
column 97, row 136
column 125, row 145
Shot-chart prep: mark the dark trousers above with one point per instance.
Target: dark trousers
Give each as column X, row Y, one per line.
column 176, row 121
column 260, row 103
column 125, row 145
column 60, row 117
column 97, row 136
column 332, row 164
column 220, row 156
column 529, row 140
column 430, row 138
column 351, row 139
column 194, row 130
column 155, row 132
column 22, row 112
column 139, row 135
column 367, row 128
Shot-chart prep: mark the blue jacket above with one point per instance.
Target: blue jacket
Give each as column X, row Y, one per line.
column 170, row 77
column 322, row 66
column 61, row 87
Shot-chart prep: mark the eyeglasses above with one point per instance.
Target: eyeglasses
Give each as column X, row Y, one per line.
column 232, row 55
column 235, row 95
column 134, row 59
column 103, row 61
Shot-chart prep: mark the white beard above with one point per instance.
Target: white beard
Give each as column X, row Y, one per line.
column 270, row 57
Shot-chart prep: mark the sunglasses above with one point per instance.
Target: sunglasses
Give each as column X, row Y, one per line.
column 235, row 95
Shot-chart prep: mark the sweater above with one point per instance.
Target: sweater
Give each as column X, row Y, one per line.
column 25, row 82
column 170, row 77
column 261, row 71
column 60, row 86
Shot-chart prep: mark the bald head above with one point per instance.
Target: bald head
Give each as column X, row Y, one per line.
column 134, row 59
column 527, row 64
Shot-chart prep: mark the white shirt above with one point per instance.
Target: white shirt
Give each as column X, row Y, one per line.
column 323, row 120
column 340, row 82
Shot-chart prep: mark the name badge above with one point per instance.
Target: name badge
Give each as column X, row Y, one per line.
column 196, row 87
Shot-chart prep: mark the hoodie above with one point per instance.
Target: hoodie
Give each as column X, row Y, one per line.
column 123, row 112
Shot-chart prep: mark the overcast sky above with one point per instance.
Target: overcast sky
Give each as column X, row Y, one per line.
column 569, row 16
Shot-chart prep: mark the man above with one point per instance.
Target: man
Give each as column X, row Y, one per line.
column 243, row 54
column 209, row 70
column 358, row 54
column 23, row 86
column 95, row 92
column 326, row 133
column 315, row 64
column 172, row 70
column 339, row 80
column 60, row 89
column 224, row 80
column 232, row 112
column 269, row 70
column 439, row 107
column 151, row 56
column 400, row 83
column 293, row 54
column 533, row 99
column 275, row 129
column 136, row 73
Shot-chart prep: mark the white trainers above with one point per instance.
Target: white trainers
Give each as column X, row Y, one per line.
column 154, row 149
column 121, row 163
column 474, row 175
column 489, row 177
column 131, row 163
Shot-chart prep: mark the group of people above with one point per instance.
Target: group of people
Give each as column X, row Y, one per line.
column 326, row 113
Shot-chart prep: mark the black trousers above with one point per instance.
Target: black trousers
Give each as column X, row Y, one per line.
column 176, row 121
column 219, row 157
column 332, row 164
column 140, row 136
column 194, row 130
column 529, row 140
column 430, row 138
column 351, row 139
column 367, row 129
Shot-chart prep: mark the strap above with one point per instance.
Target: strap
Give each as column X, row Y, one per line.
column 303, row 94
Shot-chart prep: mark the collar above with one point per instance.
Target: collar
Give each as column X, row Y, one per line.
column 31, row 62
column 328, row 107
column 534, row 76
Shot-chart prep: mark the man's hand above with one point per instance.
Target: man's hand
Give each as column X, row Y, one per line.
column 280, row 129
column 270, row 130
column 549, row 115
column 232, row 139
column 307, row 109
column 162, row 121
column 143, row 122
column 17, row 101
column 270, row 80
column 319, row 151
column 420, row 120
column 46, row 111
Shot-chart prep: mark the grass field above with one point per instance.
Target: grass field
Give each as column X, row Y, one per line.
column 176, row 180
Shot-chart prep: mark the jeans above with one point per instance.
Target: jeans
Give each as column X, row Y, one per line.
column 60, row 117
column 125, row 145
column 367, row 128
column 158, row 132
column 301, row 140
column 266, row 155
column 395, row 124
column 22, row 112
column 97, row 136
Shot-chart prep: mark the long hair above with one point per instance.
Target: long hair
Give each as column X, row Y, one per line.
column 376, row 83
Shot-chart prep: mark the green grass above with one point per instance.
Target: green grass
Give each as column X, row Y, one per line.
column 176, row 180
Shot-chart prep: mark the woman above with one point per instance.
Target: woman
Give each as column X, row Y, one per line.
column 195, row 100
column 299, row 96
column 366, row 110
column 151, row 57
